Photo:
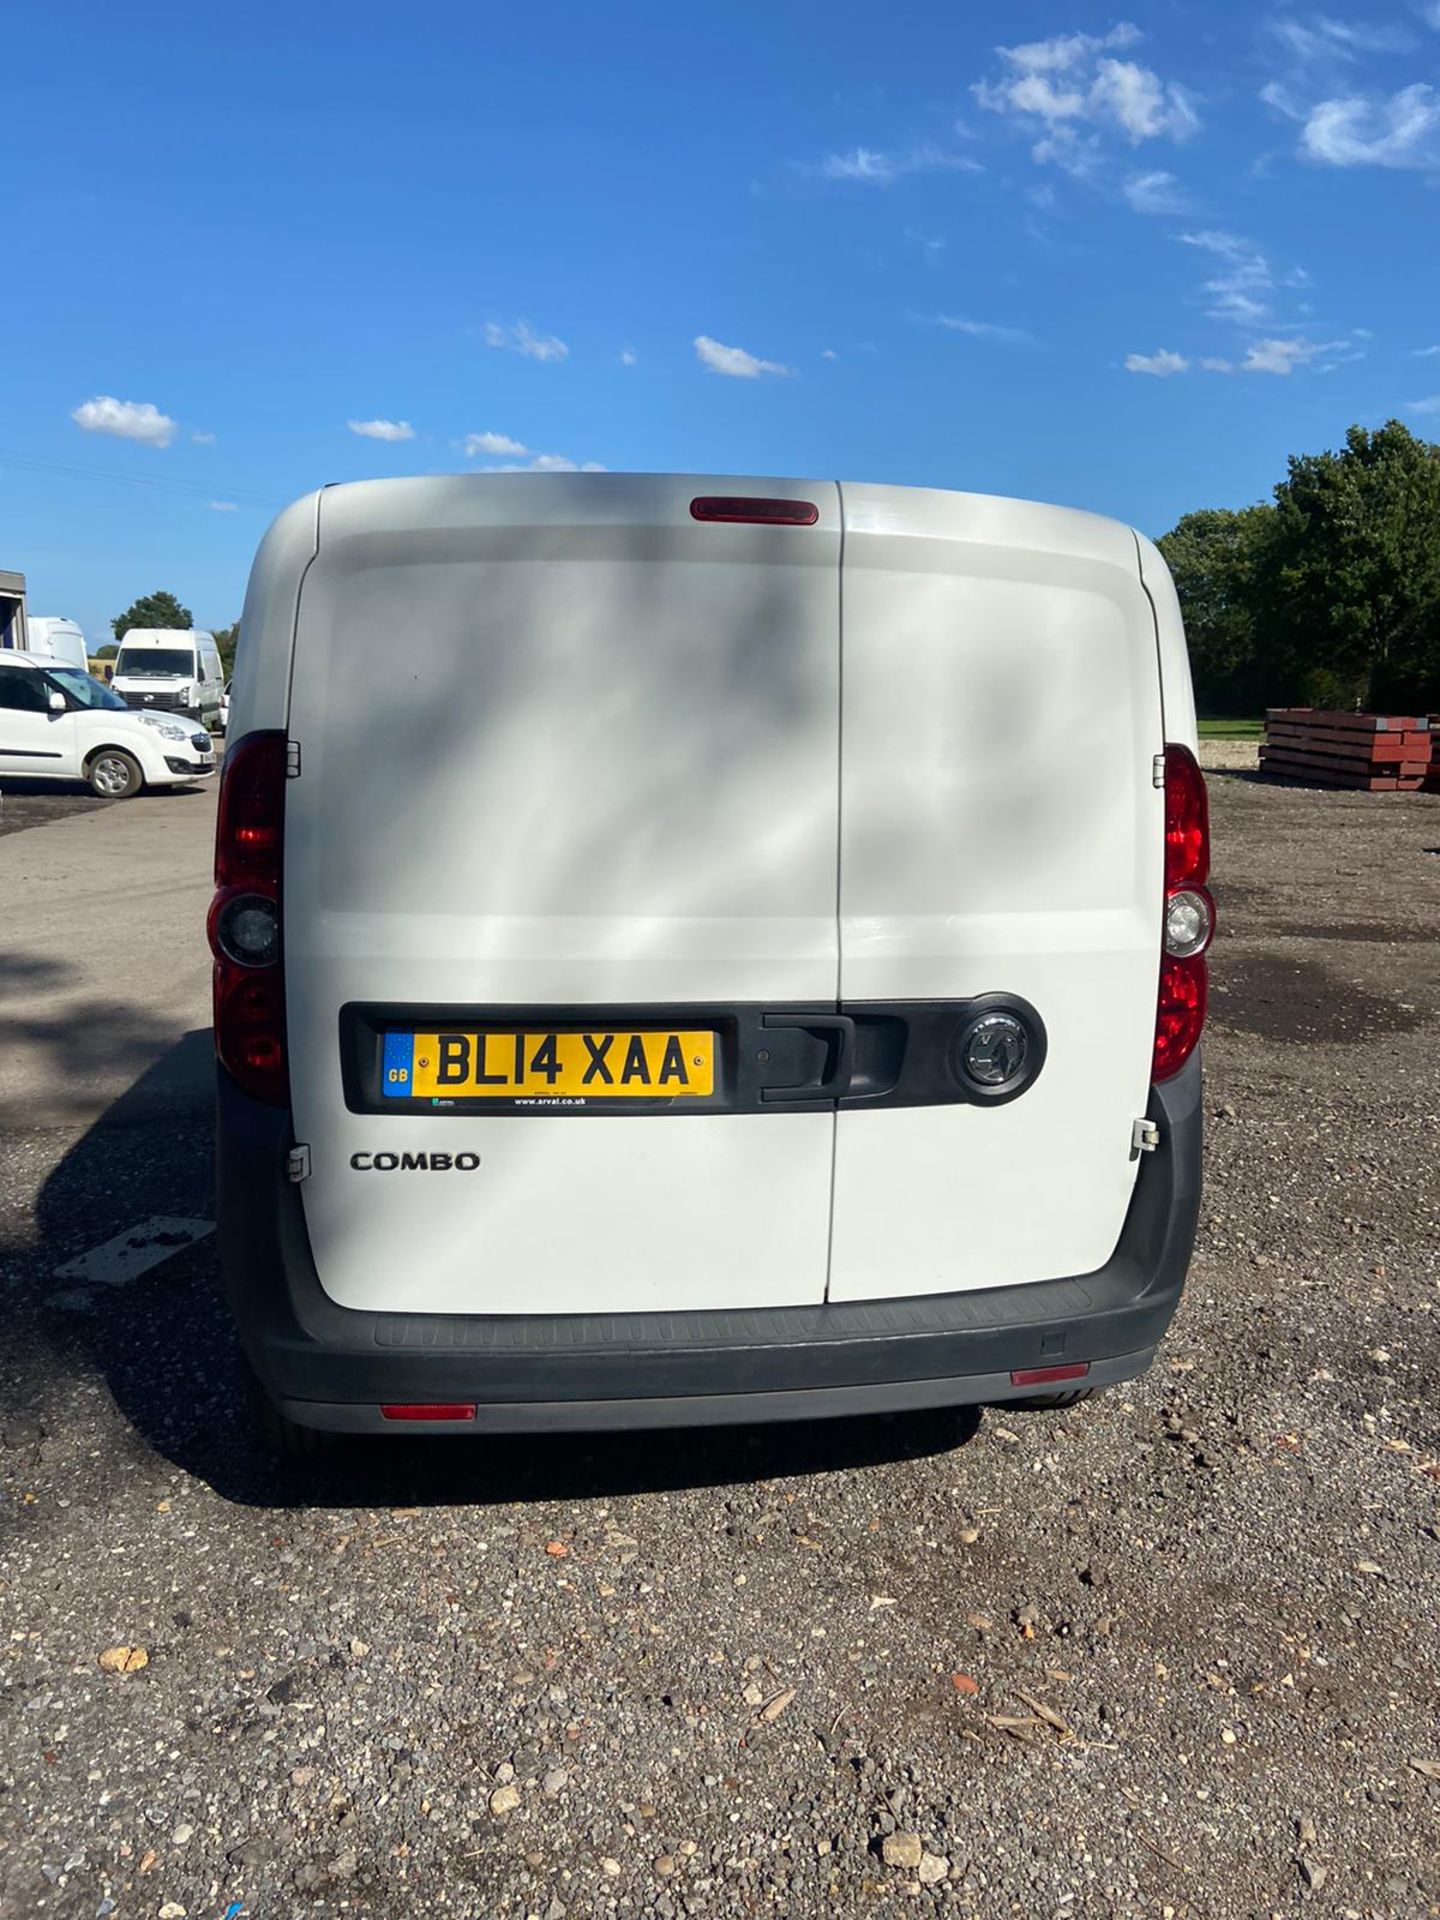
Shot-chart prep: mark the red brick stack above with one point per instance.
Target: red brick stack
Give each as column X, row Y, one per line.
column 1373, row 752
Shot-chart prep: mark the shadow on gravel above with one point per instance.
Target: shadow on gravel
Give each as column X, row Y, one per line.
column 166, row 1350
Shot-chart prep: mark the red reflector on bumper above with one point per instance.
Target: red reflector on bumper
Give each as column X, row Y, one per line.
column 1046, row 1376
column 430, row 1410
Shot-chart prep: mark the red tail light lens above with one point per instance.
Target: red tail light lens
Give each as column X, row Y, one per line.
column 1180, row 1015
column 250, row 1029
column 1187, row 821
column 734, row 509
column 1188, row 916
column 249, row 985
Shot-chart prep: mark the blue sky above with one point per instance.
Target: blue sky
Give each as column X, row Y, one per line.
column 1127, row 261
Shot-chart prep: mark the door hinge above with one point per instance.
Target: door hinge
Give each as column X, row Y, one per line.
column 297, row 1165
column 1144, row 1137
column 1157, row 770
column 292, row 759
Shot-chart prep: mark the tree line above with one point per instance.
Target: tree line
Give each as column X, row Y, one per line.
column 1327, row 595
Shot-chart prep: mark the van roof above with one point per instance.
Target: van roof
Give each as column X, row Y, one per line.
column 163, row 636
column 361, row 506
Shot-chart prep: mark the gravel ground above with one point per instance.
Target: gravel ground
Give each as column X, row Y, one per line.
column 35, row 803
column 1171, row 1654
column 1230, row 756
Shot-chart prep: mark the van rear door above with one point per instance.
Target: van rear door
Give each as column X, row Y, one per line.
column 1001, row 832
column 569, row 767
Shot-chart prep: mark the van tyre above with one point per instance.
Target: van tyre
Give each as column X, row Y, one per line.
column 113, row 775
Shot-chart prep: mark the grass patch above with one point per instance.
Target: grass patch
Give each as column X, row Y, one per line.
column 1232, row 729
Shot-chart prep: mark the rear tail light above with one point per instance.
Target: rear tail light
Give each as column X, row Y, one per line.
column 245, row 918
column 1189, row 915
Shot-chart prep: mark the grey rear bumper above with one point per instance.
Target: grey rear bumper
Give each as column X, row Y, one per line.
column 327, row 1366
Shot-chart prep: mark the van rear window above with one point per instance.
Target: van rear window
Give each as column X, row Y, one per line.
column 155, row 662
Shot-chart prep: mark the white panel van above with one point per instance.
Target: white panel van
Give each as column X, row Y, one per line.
column 59, row 639
column 171, row 670
column 702, row 950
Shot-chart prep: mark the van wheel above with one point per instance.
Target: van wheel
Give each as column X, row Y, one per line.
column 113, row 775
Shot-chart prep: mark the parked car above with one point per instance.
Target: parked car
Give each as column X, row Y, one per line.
column 58, row 639
column 57, row 723
column 568, row 1078
column 170, row 670
column 224, row 723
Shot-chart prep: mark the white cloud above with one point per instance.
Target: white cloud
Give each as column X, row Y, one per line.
column 1324, row 42
column 1432, row 405
column 1358, row 131
column 222, row 506
column 1424, row 353
column 1162, row 363
column 1056, row 87
column 1068, row 50
column 628, row 357
column 1239, row 292
column 1278, row 356
column 558, row 463
column 1213, row 365
column 829, row 353
column 382, row 429
column 985, row 330
column 873, row 167
column 1154, row 193
column 492, row 443
column 932, row 245
column 203, row 439
column 1139, row 103
column 520, row 337
column 549, row 463
column 734, row 361
column 126, row 419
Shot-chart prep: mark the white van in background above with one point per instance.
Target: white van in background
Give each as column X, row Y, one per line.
column 699, row 950
column 171, row 670
column 59, row 639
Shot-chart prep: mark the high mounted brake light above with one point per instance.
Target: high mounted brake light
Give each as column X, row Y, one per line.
column 244, row 924
column 734, row 509
column 1188, row 917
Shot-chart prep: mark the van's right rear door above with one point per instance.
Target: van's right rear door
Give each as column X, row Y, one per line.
column 1001, row 833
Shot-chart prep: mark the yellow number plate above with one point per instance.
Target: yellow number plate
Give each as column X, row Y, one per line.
column 657, row 1064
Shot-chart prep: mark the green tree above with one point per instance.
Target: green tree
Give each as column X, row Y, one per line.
column 1218, row 558
column 226, row 639
column 1356, row 579
column 152, row 610
column 107, row 652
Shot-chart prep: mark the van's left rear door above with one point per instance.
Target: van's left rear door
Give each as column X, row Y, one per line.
column 569, row 764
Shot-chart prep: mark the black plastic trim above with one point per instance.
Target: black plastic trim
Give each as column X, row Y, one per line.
column 306, row 1348
column 786, row 1059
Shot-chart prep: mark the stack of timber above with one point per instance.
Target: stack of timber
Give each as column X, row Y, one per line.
column 1371, row 752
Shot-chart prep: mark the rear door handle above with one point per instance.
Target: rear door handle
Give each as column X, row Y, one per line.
column 842, row 1061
